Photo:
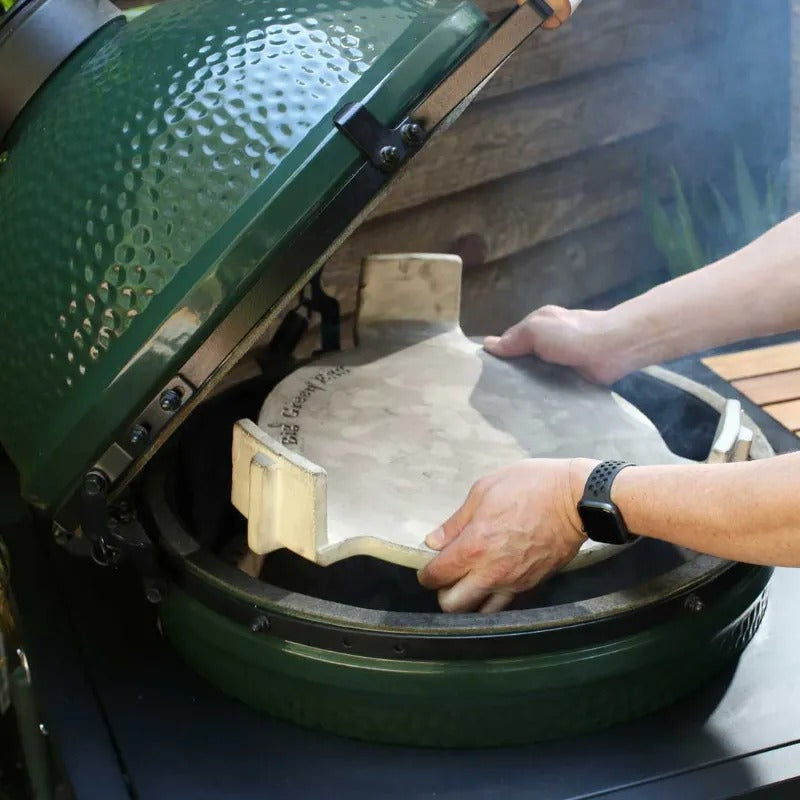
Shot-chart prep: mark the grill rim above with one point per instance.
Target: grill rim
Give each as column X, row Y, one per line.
column 331, row 626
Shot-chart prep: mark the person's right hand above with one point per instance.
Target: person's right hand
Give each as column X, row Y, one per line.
column 583, row 340
column 562, row 11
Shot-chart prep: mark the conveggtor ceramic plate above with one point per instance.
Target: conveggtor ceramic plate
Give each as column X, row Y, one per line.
column 367, row 451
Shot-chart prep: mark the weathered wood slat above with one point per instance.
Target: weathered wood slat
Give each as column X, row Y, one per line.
column 604, row 33
column 776, row 388
column 750, row 363
column 518, row 212
column 788, row 414
column 567, row 271
column 527, row 129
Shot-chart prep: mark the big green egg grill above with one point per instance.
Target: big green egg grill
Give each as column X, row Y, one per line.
column 168, row 187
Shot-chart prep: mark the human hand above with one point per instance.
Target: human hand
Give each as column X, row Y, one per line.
column 583, row 340
column 562, row 10
column 518, row 526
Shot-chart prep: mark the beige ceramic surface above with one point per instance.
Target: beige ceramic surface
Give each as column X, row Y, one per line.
column 402, row 425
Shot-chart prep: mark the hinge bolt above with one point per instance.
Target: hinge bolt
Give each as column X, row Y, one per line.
column 413, row 133
column 389, row 157
column 170, row 400
column 139, row 435
column 260, row 624
column 94, row 483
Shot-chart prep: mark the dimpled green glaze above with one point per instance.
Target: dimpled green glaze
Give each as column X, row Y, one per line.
column 469, row 703
column 148, row 183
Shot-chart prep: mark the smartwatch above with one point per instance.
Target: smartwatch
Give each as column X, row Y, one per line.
column 601, row 519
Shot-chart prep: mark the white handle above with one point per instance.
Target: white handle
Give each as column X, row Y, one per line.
column 282, row 494
column 733, row 439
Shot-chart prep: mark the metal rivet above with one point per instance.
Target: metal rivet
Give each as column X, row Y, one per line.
column 139, row 435
column 260, row 624
column 389, row 157
column 413, row 133
column 3, row 157
column 399, row 649
column 170, row 400
column 694, row 604
column 42, row 729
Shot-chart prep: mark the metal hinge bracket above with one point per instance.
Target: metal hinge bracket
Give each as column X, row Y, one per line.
column 116, row 535
column 387, row 148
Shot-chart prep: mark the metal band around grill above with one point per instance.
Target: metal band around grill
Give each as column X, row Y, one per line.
column 24, row 63
column 135, row 445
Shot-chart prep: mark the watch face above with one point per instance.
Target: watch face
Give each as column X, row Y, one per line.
column 602, row 523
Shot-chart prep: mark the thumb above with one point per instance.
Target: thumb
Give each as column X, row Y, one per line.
column 450, row 529
column 516, row 341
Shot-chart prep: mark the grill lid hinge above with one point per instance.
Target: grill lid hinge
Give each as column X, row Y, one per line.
column 116, row 535
column 387, row 148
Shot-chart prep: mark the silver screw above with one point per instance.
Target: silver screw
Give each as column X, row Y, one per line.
column 170, row 400
column 139, row 435
column 694, row 604
column 389, row 157
column 94, row 483
column 413, row 133
column 260, row 624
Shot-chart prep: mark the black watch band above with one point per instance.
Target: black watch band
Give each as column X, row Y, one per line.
column 602, row 520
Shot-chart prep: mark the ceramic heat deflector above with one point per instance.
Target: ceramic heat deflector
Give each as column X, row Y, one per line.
column 365, row 452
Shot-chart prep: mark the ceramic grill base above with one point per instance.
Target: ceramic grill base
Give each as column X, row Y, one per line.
column 359, row 649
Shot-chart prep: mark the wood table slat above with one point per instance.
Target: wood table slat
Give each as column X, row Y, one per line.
column 751, row 363
column 788, row 414
column 775, row 388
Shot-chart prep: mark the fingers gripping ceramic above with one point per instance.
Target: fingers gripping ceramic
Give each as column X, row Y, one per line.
column 367, row 451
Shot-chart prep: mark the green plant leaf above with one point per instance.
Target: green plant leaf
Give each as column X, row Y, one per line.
column 706, row 215
column 690, row 242
column 753, row 217
column 701, row 224
column 726, row 214
column 775, row 201
column 660, row 224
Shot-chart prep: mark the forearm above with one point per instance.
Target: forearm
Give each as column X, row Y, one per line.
column 753, row 292
column 748, row 511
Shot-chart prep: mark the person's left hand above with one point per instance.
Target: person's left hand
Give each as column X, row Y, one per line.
column 518, row 526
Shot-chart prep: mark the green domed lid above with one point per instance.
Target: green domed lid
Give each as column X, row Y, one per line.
column 158, row 197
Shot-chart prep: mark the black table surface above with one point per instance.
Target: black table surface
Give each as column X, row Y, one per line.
column 129, row 719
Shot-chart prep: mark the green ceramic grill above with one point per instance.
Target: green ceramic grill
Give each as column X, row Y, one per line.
column 166, row 171
column 169, row 188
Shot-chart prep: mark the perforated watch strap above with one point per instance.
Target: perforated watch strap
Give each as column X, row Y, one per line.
column 598, row 485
